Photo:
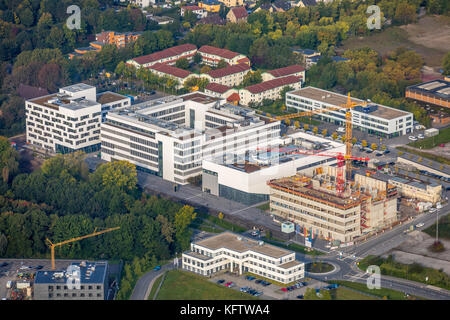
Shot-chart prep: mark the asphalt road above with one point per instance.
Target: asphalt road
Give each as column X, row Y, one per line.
column 143, row 288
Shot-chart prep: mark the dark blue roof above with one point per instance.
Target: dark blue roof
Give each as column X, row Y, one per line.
column 306, row 51
column 88, row 275
column 338, row 59
column 440, row 88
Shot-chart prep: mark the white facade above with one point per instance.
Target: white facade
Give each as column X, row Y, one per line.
column 245, row 179
column 66, row 121
column 375, row 119
column 171, row 136
column 229, row 251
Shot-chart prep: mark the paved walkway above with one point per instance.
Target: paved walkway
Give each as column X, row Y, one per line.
column 143, row 285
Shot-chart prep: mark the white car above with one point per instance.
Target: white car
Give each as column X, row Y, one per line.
column 420, row 136
column 340, row 129
column 412, row 138
column 420, row 225
column 432, row 210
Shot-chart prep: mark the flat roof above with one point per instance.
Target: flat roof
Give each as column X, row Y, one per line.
column 439, row 88
column 56, row 100
column 108, row 96
column 337, row 99
column 91, row 273
column 230, row 241
column 77, row 87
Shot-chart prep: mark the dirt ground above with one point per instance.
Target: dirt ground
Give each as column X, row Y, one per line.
column 415, row 249
column 430, row 37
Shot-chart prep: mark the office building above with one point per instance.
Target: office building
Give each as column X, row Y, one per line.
column 372, row 118
column 235, row 253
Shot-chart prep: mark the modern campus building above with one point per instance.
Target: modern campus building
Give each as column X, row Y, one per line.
column 111, row 101
column 235, row 253
column 81, row 281
column 242, row 176
column 436, row 92
column 294, row 70
column 373, row 118
column 312, row 202
column 170, row 137
column 270, row 90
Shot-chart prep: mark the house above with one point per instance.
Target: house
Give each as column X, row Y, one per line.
column 210, row 5
column 161, row 20
column 212, row 55
column 164, row 70
column 237, row 14
column 212, row 19
column 200, row 12
column 306, row 3
column 268, row 89
column 310, row 57
column 167, row 56
column 294, row 70
column 281, row 6
column 232, row 3
column 229, row 76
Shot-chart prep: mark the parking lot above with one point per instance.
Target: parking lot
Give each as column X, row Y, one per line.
column 270, row 292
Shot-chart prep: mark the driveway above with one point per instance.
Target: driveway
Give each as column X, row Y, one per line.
column 142, row 288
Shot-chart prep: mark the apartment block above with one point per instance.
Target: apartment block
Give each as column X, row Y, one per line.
column 294, row 70
column 235, row 253
column 170, row 137
column 212, row 55
column 268, row 90
column 219, row 90
column 372, row 118
column 177, row 74
column 230, row 76
column 167, row 56
column 120, row 39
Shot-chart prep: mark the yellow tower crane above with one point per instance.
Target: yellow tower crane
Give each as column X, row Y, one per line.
column 348, row 126
column 52, row 246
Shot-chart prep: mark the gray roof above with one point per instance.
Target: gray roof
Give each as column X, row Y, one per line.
column 88, row 275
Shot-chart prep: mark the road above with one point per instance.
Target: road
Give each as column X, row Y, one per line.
column 143, row 285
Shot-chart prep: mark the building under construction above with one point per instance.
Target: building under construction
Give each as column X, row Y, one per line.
column 313, row 202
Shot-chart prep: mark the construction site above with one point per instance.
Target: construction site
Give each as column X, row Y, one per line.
column 325, row 207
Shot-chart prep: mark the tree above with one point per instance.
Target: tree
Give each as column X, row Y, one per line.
column 288, row 122
column 306, row 126
column 297, row 124
column 220, row 216
column 405, row 13
column 354, row 140
column 251, row 78
column 197, row 58
column 446, row 64
column 182, row 63
column 222, row 64
column 324, row 132
column 120, row 174
column 364, row 143
column 205, row 69
column 334, row 135
column 315, row 130
column 373, row 146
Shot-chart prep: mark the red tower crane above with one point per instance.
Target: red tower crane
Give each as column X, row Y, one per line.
column 341, row 159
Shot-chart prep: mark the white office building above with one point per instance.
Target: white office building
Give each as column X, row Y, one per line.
column 170, row 137
column 69, row 120
column 235, row 253
column 373, row 118
column 242, row 176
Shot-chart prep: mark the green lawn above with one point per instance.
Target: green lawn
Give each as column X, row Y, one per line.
column 413, row 272
column 431, row 142
column 444, row 228
column 155, row 287
column 182, row 285
column 388, row 293
column 342, row 293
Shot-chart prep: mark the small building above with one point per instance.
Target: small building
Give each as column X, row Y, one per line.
column 431, row 132
column 310, row 57
column 305, row 3
column 81, row 281
column 232, row 3
column 436, row 92
column 235, row 253
column 214, row 19
column 237, row 14
column 294, row 70
column 268, row 89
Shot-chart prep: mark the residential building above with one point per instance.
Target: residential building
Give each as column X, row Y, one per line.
column 229, row 76
column 305, row 3
column 436, row 92
column 232, row 3
column 212, row 55
column 294, row 70
column 210, row 5
column 423, row 191
column 219, row 90
column 372, row 118
column 81, row 281
column 120, row 39
column 161, row 20
column 310, row 57
column 268, row 90
column 200, row 12
column 65, row 122
column 242, row 175
column 143, row 3
column 235, row 253
column 167, row 56
column 214, row 19
column 312, row 202
column 179, row 75
column 170, row 136
column 277, row 6
column 237, row 14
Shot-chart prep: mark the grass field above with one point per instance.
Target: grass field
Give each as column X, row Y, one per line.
column 342, row 293
column 444, row 228
column 431, row 142
column 181, row 285
column 155, row 287
column 381, row 293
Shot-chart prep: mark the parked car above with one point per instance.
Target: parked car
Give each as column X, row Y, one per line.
column 412, row 138
column 220, row 281
column 229, row 284
column 258, row 281
column 39, row 267
column 432, row 210
column 387, row 151
column 340, row 129
column 420, row 225
column 4, row 264
column 244, row 289
column 300, row 297
column 257, row 293
column 250, row 278
column 442, row 145
column 284, row 289
column 420, row 136
column 379, row 154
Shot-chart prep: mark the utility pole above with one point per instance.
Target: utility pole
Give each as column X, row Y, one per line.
column 437, row 225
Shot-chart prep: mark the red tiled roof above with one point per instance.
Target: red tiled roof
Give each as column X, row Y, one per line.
column 219, row 73
column 244, row 60
column 170, row 52
column 233, row 97
column 239, row 12
column 286, row 70
column 193, row 8
column 271, row 84
column 174, row 71
column 217, row 87
column 223, row 53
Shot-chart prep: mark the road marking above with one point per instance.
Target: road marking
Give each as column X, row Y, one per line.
column 197, row 195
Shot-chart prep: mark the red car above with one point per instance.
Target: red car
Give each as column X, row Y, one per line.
column 284, row 289
column 442, row 145
column 229, row 284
